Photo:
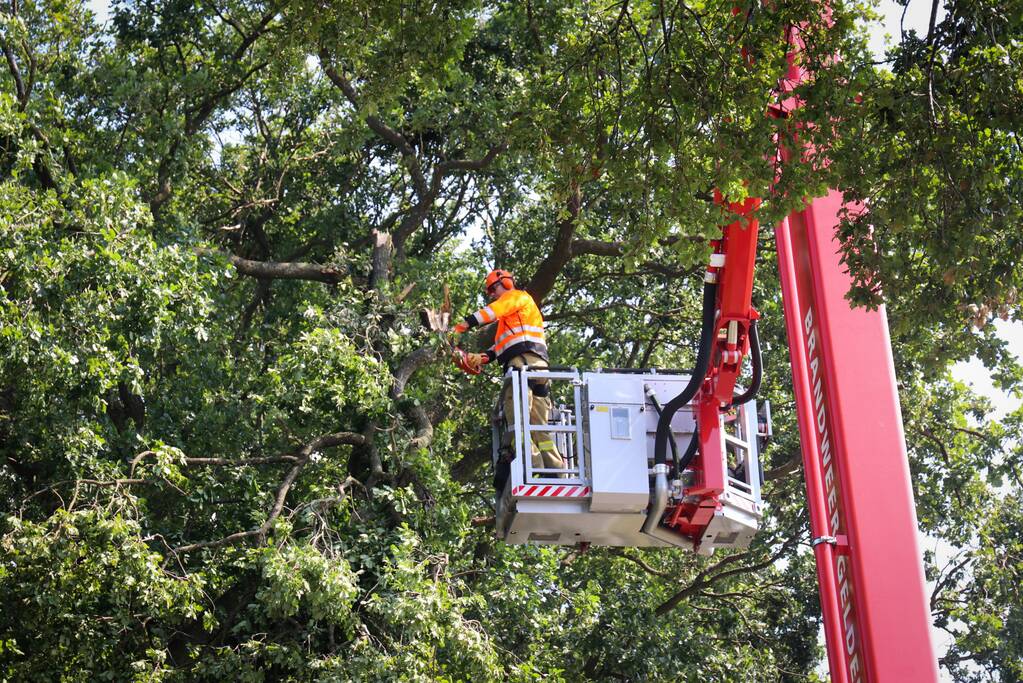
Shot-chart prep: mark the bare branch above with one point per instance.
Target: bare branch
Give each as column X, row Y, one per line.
column 946, row 578
column 412, row 362
column 304, row 453
column 383, row 250
column 19, row 84
column 413, row 219
column 786, row 468
column 641, row 564
column 227, row 462
column 378, row 126
column 445, row 167
column 597, row 248
column 260, row 29
column 704, row 580
column 259, row 298
column 424, row 428
column 233, row 23
column 272, row 270
column 163, row 183
column 971, row 432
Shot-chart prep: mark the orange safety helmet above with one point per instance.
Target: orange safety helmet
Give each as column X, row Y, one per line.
column 506, row 279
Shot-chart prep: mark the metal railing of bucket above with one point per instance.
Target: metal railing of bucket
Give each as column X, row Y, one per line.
column 744, row 471
column 564, row 427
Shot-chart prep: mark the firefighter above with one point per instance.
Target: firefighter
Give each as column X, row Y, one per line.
column 518, row 342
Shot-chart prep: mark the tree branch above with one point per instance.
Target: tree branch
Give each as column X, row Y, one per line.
column 971, row 432
column 463, row 470
column 272, row 270
column 945, row 579
column 202, row 112
column 424, row 428
column 929, row 435
column 786, row 468
column 209, row 103
column 543, row 279
column 454, row 165
column 640, row 563
column 409, row 365
column 227, row 462
column 304, row 453
column 703, row 581
column 378, row 126
column 260, row 29
column 425, row 192
column 597, row 248
column 19, row 84
column 383, row 250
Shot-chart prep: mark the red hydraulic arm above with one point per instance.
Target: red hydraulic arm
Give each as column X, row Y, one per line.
column 731, row 266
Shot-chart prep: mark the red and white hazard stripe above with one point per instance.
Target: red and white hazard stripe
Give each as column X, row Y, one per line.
column 552, row 491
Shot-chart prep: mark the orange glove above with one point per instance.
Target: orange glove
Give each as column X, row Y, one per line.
column 461, row 360
column 476, row 360
column 461, row 328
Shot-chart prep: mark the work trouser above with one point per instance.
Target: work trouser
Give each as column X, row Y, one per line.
column 544, row 452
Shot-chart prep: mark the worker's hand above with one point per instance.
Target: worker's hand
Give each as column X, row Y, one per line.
column 463, row 361
column 476, row 360
column 461, row 328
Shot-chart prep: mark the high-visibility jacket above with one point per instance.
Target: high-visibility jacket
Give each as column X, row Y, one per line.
column 519, row 326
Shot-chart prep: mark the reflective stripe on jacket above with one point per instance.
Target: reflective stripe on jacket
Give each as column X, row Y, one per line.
column 519, row 326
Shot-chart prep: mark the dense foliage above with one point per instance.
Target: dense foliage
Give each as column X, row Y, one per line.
column 228, row 449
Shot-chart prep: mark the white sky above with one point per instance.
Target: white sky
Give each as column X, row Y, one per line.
column 977, row 376
column 917, row 18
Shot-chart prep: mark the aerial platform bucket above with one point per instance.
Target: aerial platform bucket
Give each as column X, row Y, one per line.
column 604, row 425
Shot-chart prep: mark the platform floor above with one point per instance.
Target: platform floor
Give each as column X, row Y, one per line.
column 567, row 522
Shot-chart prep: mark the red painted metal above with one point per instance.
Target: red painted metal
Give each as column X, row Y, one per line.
column 857, row 471
column 824, row 553
column 691, row 518
column 862, row 514
column 735, row 291
column 710, row 467
column 737, row 247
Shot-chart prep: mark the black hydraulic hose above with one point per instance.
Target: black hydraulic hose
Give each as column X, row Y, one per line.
column 710, row 291
column 690, row 453
column 758, row 367
column 749, row 394
column 671, row 435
